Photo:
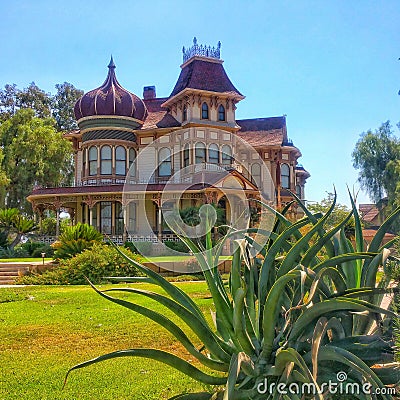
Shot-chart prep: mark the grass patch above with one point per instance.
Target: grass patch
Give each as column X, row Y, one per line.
column 24, row 259
column 46, row 330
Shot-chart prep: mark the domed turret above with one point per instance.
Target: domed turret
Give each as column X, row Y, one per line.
column 110, row 99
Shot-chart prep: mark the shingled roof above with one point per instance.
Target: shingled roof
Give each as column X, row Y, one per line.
column 204, row 75
column 260, row 132
column 158, row 117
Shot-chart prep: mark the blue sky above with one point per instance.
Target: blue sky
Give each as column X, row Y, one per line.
column 331, row 67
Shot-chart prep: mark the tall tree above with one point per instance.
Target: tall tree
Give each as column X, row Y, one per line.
column 8, row 101
column 37, row 99
column 63, row 105
column 60, row 106
column 377, row 157
column 34, row 154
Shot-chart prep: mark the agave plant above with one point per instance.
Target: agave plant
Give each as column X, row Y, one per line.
column 308, row 308
column 75, row 239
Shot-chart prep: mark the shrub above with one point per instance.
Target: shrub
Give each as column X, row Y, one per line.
column 35, row 249
column 96, row 263
column 75, row 239
column 177, row 246
column 16, row 252
column 305, row 311
column 140, row 247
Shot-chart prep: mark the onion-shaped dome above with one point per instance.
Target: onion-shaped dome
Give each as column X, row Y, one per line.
column 110, row 99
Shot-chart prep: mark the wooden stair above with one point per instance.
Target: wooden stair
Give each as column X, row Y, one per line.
column 10, row 271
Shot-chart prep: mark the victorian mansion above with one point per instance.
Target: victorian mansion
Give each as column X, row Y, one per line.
column 146, row 142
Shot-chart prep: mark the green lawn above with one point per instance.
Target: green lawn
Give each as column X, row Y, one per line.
column 27, row 259
column 46, row 330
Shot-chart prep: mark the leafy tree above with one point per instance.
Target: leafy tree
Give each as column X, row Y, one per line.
column 35, row 98
column 377, row 157
column 63, row 105
column 34, row 154
column 339, row 214
column 8, row 101
column 44, row 104
column 13, row 226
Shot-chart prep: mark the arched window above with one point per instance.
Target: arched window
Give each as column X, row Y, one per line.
column 132, row 162
column 256, row 173
column 213, row 154
column 200, row 153
column 204, row 111
column 221, row 113
column 184, row 113
column 120, row 160
column 226, row 155
column 93, row 160
column 186, row 155
column 105, row 160
column 164, row 162
column 83, row 163
column 285, row 176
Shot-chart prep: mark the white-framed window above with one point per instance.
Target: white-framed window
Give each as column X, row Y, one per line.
column 213, row 154
column 120, row 160
column 164, row 162
column 226, row 154
column 105, row 160
column 93, row 160
column 285, row 176
column 200, row 153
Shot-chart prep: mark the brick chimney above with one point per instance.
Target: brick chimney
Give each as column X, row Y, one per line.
column 149, row 92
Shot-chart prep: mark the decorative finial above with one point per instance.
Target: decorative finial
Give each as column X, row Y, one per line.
column 202, row 51
column 111, row 65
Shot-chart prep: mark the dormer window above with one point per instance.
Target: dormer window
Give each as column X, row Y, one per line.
column 184, row 114
column 221, row 113
column 204, row 111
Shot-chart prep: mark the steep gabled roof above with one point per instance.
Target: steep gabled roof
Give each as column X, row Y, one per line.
column 204, row 75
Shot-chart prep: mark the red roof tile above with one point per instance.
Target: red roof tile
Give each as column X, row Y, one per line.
column 262, row 138
column 158, row 117
column 204, row 75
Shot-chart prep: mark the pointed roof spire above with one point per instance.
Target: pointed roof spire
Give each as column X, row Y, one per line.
column 111, row 64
